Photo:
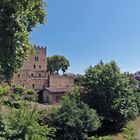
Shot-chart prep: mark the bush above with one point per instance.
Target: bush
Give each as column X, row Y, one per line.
column 30, row 92
column 31, row 98
column 19, row 90
column 128, row 133
column 31, row 95
column 22, row 124
column 4, row 90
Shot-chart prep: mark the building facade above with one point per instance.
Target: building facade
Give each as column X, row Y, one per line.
column 34, row 75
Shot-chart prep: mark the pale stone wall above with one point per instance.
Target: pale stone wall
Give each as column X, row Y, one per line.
column 61, row 81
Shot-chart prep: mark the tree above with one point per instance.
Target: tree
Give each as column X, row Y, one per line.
column 108, row 91
column 73, row 120
column 17, row 18
column 56, row 63
column 78, row 79
column 23, row 124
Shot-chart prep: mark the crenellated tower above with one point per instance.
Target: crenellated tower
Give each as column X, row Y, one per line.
column 33, row 73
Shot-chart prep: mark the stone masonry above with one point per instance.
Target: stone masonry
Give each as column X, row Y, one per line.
column 34, row 73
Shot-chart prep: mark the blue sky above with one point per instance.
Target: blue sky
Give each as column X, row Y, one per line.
column 86, row 31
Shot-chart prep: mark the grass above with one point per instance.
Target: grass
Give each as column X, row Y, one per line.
column 134, row 124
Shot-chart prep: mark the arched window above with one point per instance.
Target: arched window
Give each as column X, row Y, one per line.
column 39, row 66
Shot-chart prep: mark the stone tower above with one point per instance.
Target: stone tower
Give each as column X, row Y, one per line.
column 33, row 74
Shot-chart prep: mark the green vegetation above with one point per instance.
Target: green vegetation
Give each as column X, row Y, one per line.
column 128, row 133
column 4, row 91
column 100, row 138
column 17, row 18
column 108, row 91
column 23, row 124
column 103, row 106
column 74, row 119
column 56, row 63
column 18, row 90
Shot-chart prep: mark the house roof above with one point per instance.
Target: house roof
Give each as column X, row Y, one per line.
column 58, row 90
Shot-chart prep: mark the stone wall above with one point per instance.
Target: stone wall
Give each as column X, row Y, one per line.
column 61, row 81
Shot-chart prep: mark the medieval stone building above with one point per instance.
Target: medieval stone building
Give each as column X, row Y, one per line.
column 34, row 75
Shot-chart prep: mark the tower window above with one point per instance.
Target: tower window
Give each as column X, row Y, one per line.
column 33, row 85
column 39, row 74
column 32, row 74
column 34, row 66
column 36, row 58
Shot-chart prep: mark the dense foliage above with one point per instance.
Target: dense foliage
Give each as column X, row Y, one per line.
column 17, row 18
column 108, row 91
column 74, row 119
column 78, row 79
column 23, row 124
column 56, row 63
column 128, row 133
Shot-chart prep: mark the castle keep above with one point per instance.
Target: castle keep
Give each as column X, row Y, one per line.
column 34, row 74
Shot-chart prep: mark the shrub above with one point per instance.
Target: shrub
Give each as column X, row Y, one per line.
column 31, row 98
column 30, row 92
column 22, row 124
column 4, row 90
column 19, row 90
column 128, row 133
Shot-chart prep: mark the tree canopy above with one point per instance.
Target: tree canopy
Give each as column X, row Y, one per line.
column 108, row 91
column 17, row 18
column 56, row 63
column 74, row 119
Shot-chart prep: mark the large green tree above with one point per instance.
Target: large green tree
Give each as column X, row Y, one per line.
column 56, row 63
column 108, row 91
column 74, row 119
column 17, row 18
